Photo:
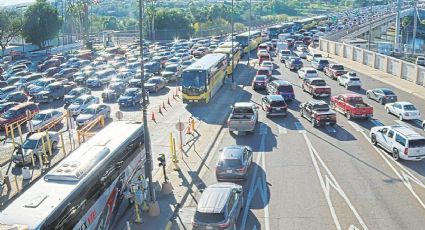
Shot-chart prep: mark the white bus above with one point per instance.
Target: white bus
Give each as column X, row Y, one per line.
column 85, row 190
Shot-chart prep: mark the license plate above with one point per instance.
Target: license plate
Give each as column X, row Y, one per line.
column 208, row 227
column 229, row 171
column 327, row 123
column 277, row 109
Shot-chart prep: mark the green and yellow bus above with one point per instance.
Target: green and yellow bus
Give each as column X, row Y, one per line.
column 249, row 40
column 202, row 80
column 232, row 57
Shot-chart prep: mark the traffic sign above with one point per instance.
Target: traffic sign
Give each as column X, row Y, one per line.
column 180, row 126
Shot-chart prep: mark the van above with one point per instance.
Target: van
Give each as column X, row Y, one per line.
column 401, row 141
column 281, row 87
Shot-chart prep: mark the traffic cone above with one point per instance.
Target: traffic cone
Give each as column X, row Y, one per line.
column 153, row 116
column 163, row 104
column 168, row 101
column 188, row 131
column 159, row 110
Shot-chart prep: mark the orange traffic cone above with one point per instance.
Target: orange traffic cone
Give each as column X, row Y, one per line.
column 188, row 131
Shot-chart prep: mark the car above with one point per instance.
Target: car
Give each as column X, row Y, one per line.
column 54, row 91
column 4, row 107
column 349, row 80
column 234, row 163
column 294, row 63
column 4, row 92
column 75, row 93
column 260, row 82
column 155, row 84
column 264, row 57
column 80, row 103
column 274, row 105
column 403, row 110
column 17, row 96
column 334, row 71
column 420, row 60
column 307, row 72
column 311, row 56
column 172, row 72
column 401, row 141
column 18, row 113
column 352, row 106
column 318, row 112
column 264, row 71
column 45, row 117
column 65, row 73
column 91, row 113
column 219, row 207
column 243, row 118
column 25, row 81
column 281, row 87
column 33, row 146
column 317, row 87
column 113, row 91
column 200, row 52
column 267, row 64
column 283, row 54
column 153, row 67
column 100, row 78
column 186, row 64
column 130, row 97
column 381, row 95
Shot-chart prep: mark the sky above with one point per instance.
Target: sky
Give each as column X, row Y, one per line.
column 13, row 2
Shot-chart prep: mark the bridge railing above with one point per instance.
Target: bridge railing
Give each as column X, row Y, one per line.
column 396, row 67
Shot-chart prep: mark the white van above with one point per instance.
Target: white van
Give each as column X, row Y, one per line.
column 402, row 142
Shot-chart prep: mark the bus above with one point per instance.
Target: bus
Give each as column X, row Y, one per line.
column 86, row 189
column 249, row 44
column 274, row 31
column 202, row 80
column 232, row 55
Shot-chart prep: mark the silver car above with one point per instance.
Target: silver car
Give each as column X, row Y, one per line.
column 234, row 163
column 45, row 117
column 92, row 112
column 34, row 145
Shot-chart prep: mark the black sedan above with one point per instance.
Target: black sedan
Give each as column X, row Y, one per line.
column 318, row 113
column 234, row 163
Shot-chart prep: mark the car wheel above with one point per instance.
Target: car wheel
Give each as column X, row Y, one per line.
column 396, row 154
column 373, row 139
column 400, row 117
column 387, row 110
column 368, row 95
column 302, row 112
column 50, row 99
column 313, row 122
column 381, row 101
column 348, row 114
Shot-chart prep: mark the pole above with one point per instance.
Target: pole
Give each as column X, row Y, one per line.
column 153, row 205
column 249, row 29
column 232, row 52
column 22, row 23
column 370, row 29
column 397, row 27
column 415, row 25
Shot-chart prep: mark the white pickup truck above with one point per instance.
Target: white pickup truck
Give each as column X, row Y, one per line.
column 243, row 118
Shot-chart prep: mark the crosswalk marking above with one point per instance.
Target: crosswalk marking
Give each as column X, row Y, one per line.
column 299, row 127
column 330, row 129
column 282, row 128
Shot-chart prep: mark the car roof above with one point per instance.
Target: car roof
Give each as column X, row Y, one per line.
column 282, row 82
column 214, row 197
column 317, row 102
column 94, row 106
column 232, row 152
column 406, row 131
column 315, row 78
column 84, row 96
column 404, row 103
column 243, row 104
column 132, row 89
column 46, row 111
column 275, row 97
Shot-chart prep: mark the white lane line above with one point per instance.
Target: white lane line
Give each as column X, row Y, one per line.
column 330, row 129
column 400, row 122
column 376, row 122
column 258, row 183
column 355, row 126
column 282, row 128
column 299, row 127
column 328, row 181
column 404, row 175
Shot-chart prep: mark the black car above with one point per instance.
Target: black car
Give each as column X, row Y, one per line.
column 318, row 113
column 113, row 91
column 130, row 97
column 274, row 105
column 15, row 97
column 294, row 63
column 234, row 163
column 382, row 95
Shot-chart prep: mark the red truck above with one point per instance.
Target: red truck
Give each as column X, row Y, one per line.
column 316, row 87
column 334, row 71
column 352, row 106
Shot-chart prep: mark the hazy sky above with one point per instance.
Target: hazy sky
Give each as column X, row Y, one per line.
column 12, row 2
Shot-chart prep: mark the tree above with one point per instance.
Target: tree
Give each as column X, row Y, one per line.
column 10, row 27
column 41, row 23
column 173, row 20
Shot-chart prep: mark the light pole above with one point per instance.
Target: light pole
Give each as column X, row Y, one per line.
column 397, row 27
column 370, row 29
column 232, row 52
column 153, row 204
column 249, row 30
column 415, row 25
column 22, row 23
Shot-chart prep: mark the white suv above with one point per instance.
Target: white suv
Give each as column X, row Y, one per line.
column 402, row 142
column 350, row 80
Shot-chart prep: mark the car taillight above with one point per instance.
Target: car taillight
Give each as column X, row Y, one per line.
column 252, row 122
column 268, row 108
column 277, row 92
column 386, row 97
column 406, row 151
column 225, row 224
column 318, row 117
column 241, row 170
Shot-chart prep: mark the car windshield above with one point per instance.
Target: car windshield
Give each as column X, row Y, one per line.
column 286, row 88
column 387, row 92
column 39, row 117
column 40, row 83
column 171, row 68
column 78, row 101
column 260, row 78
column 278, row 103
column 153, row 81
column 231, row 163
column 194, row 78
column 29, row 144
column 338, row 67
column 319, row 83
column 130, row 93
column 9, row 114
column 409, row 107
column 419, row 143
column 209, row 218
column 321, row 107
column 89, row 111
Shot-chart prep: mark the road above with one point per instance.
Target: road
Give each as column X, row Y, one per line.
column 326, row 177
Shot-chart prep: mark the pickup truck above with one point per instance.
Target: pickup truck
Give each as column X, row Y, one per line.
column 54, row 91
column 352, row 106
column 334, row 71
column 243, row 118
column 316, row 87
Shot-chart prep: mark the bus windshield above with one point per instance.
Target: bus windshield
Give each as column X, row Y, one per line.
column 195, row 79
column 243, row 40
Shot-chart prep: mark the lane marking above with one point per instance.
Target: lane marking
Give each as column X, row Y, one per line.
column 355, row 126
column 330, row 129
column 258, row 183
column 282, row 128
column 404, row 175
column 327, row 181
column 299, row 127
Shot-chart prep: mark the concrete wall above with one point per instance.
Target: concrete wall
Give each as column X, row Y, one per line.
column 396, row 67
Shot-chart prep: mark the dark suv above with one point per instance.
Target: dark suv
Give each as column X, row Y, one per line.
column 274, row 105
column 281, row 87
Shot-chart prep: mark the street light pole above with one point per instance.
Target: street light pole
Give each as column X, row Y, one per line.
column 22, row 23
column 397, row 27
column 232, row 52
column 415, row 25
column 249, row 30
column 153, row 204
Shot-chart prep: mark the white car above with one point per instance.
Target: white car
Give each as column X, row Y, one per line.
column 423, row 125
column 82, row 102
column 307, row 72
column 404, row 110
column 402, row 142
column 267, row 64
column 45, row 117
column 92, row 112
column 260, row 52
column 349, row 80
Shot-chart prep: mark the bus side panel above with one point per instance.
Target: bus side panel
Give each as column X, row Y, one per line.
column 217, row 82
column 101, row 215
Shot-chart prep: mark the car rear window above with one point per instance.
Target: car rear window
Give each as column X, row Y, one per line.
column 231, row 163
column 419, row 143
column 286, row 88
column 277, row 103
column 209, row 217
column 355, row 79
column 324, row 62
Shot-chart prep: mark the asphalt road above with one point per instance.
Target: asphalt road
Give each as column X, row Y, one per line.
column 326, row 177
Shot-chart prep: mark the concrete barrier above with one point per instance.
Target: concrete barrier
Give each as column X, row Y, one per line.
column 396, row 67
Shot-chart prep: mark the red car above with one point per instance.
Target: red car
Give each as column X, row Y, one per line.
column 260, row 82
column 264, row 71
column 264, row 57
column 352, row 106
column 17, row 113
